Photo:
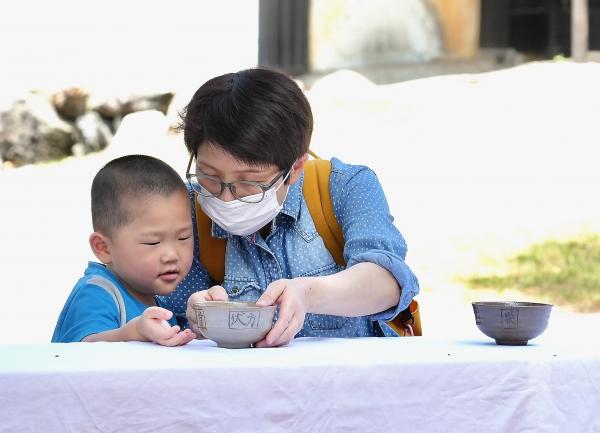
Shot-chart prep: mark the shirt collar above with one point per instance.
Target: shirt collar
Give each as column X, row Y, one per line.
column 291, row 205
column 218, row 231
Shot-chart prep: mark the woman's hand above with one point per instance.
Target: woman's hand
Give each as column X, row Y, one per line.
column 152, row 325
column 293, row 298
column 215, row 293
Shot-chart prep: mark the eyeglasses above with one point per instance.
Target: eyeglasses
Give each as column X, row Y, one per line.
column 243, row 190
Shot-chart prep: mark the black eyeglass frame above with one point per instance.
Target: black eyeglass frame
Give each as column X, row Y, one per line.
column 193, row 179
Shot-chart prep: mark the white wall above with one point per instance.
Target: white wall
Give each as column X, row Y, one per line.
column 124, row 43
column 359, row 33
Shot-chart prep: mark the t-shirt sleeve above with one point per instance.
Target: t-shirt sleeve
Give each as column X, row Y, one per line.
column 89, row 310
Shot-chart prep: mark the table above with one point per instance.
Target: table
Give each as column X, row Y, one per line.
column 370, row 385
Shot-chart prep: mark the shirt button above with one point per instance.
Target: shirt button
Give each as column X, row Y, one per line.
column 235, row 290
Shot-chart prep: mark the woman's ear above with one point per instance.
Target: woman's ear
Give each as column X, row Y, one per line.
column 100, row 245
column 297, row 168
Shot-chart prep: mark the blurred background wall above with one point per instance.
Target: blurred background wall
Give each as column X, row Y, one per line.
column 65, row 42
column 303, row 36
column 112, row 53
column 134, row 43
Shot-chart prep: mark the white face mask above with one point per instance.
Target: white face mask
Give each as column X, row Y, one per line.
column 241, row 218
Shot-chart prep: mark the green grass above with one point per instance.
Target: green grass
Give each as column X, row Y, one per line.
column 564, row 272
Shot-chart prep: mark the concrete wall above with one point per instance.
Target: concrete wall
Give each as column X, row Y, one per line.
column 363, row 33
column 459, row 20
column 356, row 33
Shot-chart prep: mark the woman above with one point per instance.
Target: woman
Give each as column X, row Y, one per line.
column 248, row 135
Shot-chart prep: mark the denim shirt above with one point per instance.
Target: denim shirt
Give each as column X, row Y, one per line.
column 295, row 249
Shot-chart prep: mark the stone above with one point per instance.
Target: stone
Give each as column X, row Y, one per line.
column 31, row 131
column 95, row 134
column 71, row 103
column 119, row 106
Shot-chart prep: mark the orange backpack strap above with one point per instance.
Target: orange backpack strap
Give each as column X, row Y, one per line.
column 212, row 250
column 318, row 200
column 408, row 322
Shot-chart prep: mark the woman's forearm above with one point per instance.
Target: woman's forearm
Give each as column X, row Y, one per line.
column 365, row 288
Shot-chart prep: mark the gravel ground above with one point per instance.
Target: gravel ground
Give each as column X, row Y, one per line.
column 475, row 166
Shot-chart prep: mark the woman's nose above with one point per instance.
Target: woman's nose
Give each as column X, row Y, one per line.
column 227, row 195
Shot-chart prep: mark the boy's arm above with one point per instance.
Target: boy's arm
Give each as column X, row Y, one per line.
column 91, row 314
column 150, row 326
column 88, row 310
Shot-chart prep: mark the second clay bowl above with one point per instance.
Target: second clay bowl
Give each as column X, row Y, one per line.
column 511, row 323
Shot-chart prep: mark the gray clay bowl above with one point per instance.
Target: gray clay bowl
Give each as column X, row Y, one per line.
column 511, row 323
column 233, row 325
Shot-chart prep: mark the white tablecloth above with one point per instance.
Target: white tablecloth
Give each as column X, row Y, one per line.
column 313, row 385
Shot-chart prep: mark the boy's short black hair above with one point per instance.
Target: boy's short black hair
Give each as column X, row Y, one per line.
column 260, row 116
column 126, row 178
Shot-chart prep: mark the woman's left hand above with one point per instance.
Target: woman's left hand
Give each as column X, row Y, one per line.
column 293, row 298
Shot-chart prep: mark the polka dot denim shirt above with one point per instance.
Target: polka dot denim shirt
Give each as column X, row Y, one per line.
column 295, row 249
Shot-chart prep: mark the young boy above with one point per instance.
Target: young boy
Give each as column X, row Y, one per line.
column 143, row 236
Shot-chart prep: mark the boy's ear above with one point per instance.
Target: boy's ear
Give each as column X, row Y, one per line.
column 297, row 168
column 101, row 247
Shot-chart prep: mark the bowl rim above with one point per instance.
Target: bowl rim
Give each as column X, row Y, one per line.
column 230, row 304
column 511, row 304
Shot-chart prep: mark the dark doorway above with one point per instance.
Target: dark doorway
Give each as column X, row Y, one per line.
column 538, row 27
column 283, row 35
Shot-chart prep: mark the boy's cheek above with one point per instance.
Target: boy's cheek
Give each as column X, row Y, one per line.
column 188, row 265
column 189, row 255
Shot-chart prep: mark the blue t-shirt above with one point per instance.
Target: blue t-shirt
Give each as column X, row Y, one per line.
column 295, row 249
column 90, row 309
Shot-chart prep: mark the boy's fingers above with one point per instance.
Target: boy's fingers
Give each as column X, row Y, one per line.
column 175, row 328
column 165, row 333
column 159, row 313
column 187, row 336
column 191, row 334
column 179, row 339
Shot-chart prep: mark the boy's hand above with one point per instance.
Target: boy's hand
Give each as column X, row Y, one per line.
column 152, row 326
column 215, row 293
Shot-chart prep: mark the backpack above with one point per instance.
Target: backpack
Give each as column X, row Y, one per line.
column 114, row 293
column 316, row 193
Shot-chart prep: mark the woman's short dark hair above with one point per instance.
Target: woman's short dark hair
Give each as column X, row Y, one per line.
column 260, row 116
column 124, row 179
